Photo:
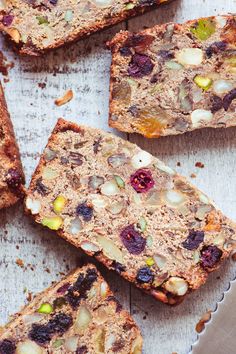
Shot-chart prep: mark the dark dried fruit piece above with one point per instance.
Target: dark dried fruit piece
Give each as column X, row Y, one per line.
column 216, row 103
column 142, row 180
column 147, row 2
column 7, row 20
column 118, row 267
column 133, row 110
column 145, row 275
column 215, row 48
column 97, row 145
column 227, row 100
column 76, row 158
column 139, row 42
column 132, row 240
column 140, row 65
column 59, row 302
column 85, row 211
column 82, row 350
column 40, row 334
column 53, row 2
column 60, row 323
column 40, row 187
column 62, row 290
column 14, row 178
column 210, row 255
column 193, row 240
column 7, row 347
column 165, row 54
column 125, row 52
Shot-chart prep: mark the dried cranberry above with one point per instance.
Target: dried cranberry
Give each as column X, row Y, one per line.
column 40, row 334
column 63, row 288
column 7, row 347
column 14, row 178
column 145, row 275
column 216, row 103
column 118, row 267
column 215, row 48
column 82, row 350
column 85, row 211
column 125, row 51
column 142, row 180
column 193, row 240
column 7, row 20
column 132, row 240
column 60, row 323
column 165, row 54
column 210, row 255
column 140, row 65
column 227, row 100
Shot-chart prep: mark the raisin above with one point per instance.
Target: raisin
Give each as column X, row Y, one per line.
column 53, row 2
column 40, row 334
column 118, row 267
column 140, row 65
column 210, row 255
column 41, row 188
column 76, row 158
column 85, row 211
column 14, row 178
column 132, row 240
column 133, row 110
column 79, row 289
column 142, row 180
column 82, row 350
column 215, row 48
column 193, row 240
column 7, row 20
column 216, row 103
column 145, row 275
column 7, row 347
column 125, row 51
column 60, row 323
column 227, row 100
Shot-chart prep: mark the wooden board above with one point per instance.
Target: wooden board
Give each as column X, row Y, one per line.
column 84, row 67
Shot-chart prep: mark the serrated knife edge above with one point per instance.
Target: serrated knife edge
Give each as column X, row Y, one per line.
column 219, row 335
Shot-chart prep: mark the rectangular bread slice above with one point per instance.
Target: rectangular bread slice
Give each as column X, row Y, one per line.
column 11, row 174
column 36, row 26
column 77, row 315
column 171, row 79
column 132, row 212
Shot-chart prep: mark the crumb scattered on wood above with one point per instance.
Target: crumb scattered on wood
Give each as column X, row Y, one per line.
column 178, row 164
column 42, row 85
column 20, row 263
column 64, row 99
column 5, row 65
column 199, row 164
column 29, row 296
column 201, row 324
column 193, row 175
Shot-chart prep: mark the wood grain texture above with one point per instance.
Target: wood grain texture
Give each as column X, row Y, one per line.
column 84, row 68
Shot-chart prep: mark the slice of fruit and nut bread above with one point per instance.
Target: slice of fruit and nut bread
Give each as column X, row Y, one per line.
column 77, row 315
column 11, row 174
column 174, row 78
column 132, row 212
column 36, row 26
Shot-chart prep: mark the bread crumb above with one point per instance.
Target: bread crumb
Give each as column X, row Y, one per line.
column 201, row 324
column 20, row 263
column 199, row 164
column 193, row 175
column 64, row 99
column 178, row 164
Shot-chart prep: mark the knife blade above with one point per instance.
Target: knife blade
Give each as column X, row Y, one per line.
column 219, row 335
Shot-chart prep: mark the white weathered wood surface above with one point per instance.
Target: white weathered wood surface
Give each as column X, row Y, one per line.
column 85, row 68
